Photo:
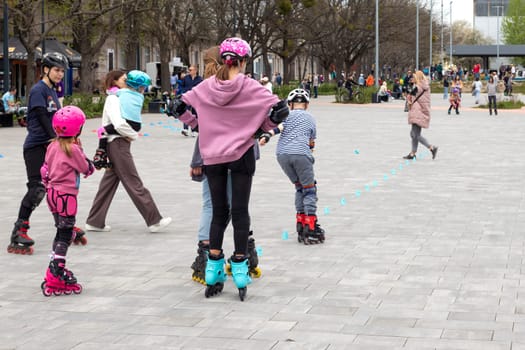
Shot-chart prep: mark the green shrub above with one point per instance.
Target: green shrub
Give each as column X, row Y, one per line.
column 92, row 105
column 510, row 102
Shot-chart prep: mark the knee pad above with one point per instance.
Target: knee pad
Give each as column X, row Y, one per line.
column 310, row 190
column 35, row 194
column 65, row 229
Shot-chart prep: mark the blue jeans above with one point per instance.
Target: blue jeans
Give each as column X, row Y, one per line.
column 445, row 93
column 207, row 209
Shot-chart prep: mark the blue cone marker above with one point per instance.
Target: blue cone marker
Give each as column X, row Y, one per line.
column 284, row 235
column 393, row 171
column 326, row 210
column 367, row 187
column 385, row 177
column 357, row 193
column 407, row 162
column 400, row 166
column 259, row 251
column 151, row 124
column 356, row 151
column 145, row 134
column 343, row 201
column 1, row 156
column 374, row 183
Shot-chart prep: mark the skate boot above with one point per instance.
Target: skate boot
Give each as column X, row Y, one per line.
column 199, row 265
column 299, row 226
column 59, row 280
column 313, row 233
column 253, row 259
column 21, row 243
column 100, row 159
column 214, row 275
column 240, row 274
column 79, row 236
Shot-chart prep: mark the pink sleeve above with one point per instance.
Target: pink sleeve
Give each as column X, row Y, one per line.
column 80, row 162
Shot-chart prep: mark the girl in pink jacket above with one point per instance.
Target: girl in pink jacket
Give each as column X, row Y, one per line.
column 231, row 109
column 64, row 163
column 419, row 114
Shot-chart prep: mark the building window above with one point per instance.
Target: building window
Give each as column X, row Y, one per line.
column 111, row 61
column 490, row 8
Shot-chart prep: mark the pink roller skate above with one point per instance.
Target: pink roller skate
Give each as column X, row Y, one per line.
column 59, row 280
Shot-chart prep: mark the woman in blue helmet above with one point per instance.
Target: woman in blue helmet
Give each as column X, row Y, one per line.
column 121, row 120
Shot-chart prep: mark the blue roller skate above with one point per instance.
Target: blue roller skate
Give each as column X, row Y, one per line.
column 240, row 274
column 214, row 275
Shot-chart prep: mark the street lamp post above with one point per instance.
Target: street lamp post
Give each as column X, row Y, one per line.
column 376, row 71
column 498, row 8
column 43, row 29
column 450, row 53
column 417, row 35
column 441, row 47
column 430, row 54
column 6, row 47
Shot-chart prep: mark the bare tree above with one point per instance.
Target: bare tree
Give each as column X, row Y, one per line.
column 91, row 23
column 28, row 21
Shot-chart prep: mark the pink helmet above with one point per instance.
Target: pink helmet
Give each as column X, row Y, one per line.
column 235, row 48
column 68, row 121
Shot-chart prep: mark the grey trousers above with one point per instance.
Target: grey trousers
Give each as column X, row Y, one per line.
column 300, row 170
column 415, row 134
column 124, row 171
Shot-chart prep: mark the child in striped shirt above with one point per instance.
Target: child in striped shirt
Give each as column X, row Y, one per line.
column 294, row 154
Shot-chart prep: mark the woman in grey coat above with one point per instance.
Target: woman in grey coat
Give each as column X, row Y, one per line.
column 492, row 86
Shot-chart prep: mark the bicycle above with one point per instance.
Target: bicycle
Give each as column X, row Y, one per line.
column 344, row 94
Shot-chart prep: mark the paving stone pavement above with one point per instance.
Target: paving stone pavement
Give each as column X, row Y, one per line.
column 419, row 255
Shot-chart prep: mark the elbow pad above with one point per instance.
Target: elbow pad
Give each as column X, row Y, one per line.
column 279, row 112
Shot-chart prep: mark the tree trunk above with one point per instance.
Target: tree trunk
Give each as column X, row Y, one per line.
column 88, row 74
column 31, row 77
column 165, row 67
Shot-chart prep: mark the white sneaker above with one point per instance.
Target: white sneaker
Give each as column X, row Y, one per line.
column 160, row 225
column 98, row 229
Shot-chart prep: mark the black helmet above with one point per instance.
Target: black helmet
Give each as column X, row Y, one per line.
column 55, row 59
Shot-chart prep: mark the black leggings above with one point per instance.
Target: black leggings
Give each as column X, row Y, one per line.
column 493, row 104
column 242, row 171
column 34, row 157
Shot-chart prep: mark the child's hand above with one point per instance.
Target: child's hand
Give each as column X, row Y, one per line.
column 197, row 171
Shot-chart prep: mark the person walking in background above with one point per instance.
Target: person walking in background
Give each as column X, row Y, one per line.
column 476, row 89
column 316, row 85
column 492, row 90
column 42, row 105
column 122, row 167
column 419, row 114
column 267, row 84
column 64, row 162
column 189, row 82
column 231, row 108
column 446, row 84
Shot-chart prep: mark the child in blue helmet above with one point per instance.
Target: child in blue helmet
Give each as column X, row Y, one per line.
column 132, row 100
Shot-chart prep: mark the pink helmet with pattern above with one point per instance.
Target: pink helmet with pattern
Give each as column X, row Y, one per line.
column 68, row 121
column 233, row 48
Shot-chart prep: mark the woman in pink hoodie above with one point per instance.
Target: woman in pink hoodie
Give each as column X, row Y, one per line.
column 419, row 114
column 231, row 109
